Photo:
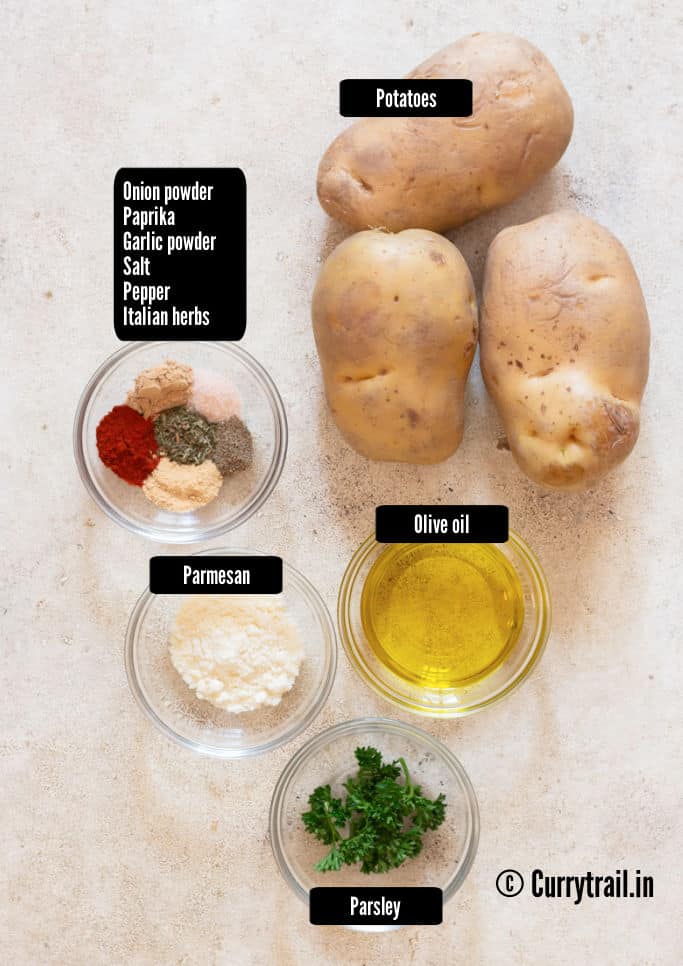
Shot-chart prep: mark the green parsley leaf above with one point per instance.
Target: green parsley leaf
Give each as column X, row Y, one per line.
column 326, row 815
column 384, row 818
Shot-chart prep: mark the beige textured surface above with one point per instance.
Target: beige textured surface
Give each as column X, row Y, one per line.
column 118, row 847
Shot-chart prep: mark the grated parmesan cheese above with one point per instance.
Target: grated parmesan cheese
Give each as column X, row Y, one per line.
column 239, row 653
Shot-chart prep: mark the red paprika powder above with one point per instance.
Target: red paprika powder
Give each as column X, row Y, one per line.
column 126, row 444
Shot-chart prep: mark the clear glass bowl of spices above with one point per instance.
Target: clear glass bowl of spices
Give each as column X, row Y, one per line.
column 444, row 630
column 232, row 675
column 180, row 441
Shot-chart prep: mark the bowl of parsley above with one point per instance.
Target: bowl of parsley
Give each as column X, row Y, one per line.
column 374, row 802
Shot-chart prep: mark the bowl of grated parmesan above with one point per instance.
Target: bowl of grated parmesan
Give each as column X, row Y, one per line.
column 232, row 675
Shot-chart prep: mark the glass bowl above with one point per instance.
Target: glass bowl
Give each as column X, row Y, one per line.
column 240, row 496
column 448, row 852
column 467, row 698
column 199, row 725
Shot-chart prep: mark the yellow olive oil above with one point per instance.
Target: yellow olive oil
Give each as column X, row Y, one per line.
column 442, row 615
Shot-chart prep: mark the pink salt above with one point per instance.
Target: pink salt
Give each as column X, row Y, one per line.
column 214, row 396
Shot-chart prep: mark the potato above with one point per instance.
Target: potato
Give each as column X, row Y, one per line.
column 395, row 322
column 565, row 344
column 439, row 172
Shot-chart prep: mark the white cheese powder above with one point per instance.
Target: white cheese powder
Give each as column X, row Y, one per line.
column 239, row 653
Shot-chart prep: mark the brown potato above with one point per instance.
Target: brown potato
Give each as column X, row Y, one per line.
column 565, row 344
column 439, row 172
column 395, row 323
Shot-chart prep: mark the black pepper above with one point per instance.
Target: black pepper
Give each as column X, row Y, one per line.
column 234, row 446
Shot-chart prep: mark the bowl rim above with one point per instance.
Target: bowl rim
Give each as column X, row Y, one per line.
column 329, row 638
column 378, row 724
column 541, row 592
column 200, row 533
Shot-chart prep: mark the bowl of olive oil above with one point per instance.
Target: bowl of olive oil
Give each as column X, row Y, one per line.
column 444, row 629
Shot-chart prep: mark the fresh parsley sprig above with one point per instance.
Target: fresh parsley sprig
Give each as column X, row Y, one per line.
column 384, row 818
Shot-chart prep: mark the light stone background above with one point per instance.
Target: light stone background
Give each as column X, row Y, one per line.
column 118, row 847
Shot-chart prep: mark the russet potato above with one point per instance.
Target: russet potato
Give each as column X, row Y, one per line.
column 564, row 347
column 439, row 172
column 395, row 323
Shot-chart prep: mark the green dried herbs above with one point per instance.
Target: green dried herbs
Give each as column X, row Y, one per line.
column 184, row 436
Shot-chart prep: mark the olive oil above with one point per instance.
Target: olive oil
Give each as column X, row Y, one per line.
column 442, row 615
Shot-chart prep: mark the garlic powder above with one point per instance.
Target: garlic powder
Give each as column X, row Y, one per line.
column 239, row 653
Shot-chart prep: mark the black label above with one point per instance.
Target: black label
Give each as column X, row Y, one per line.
column 346, row 906
column 405, row 98
column 180, row 254
column 215, row 575
column 441, row 524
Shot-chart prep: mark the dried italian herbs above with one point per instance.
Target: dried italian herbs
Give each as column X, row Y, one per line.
column 184, row 436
